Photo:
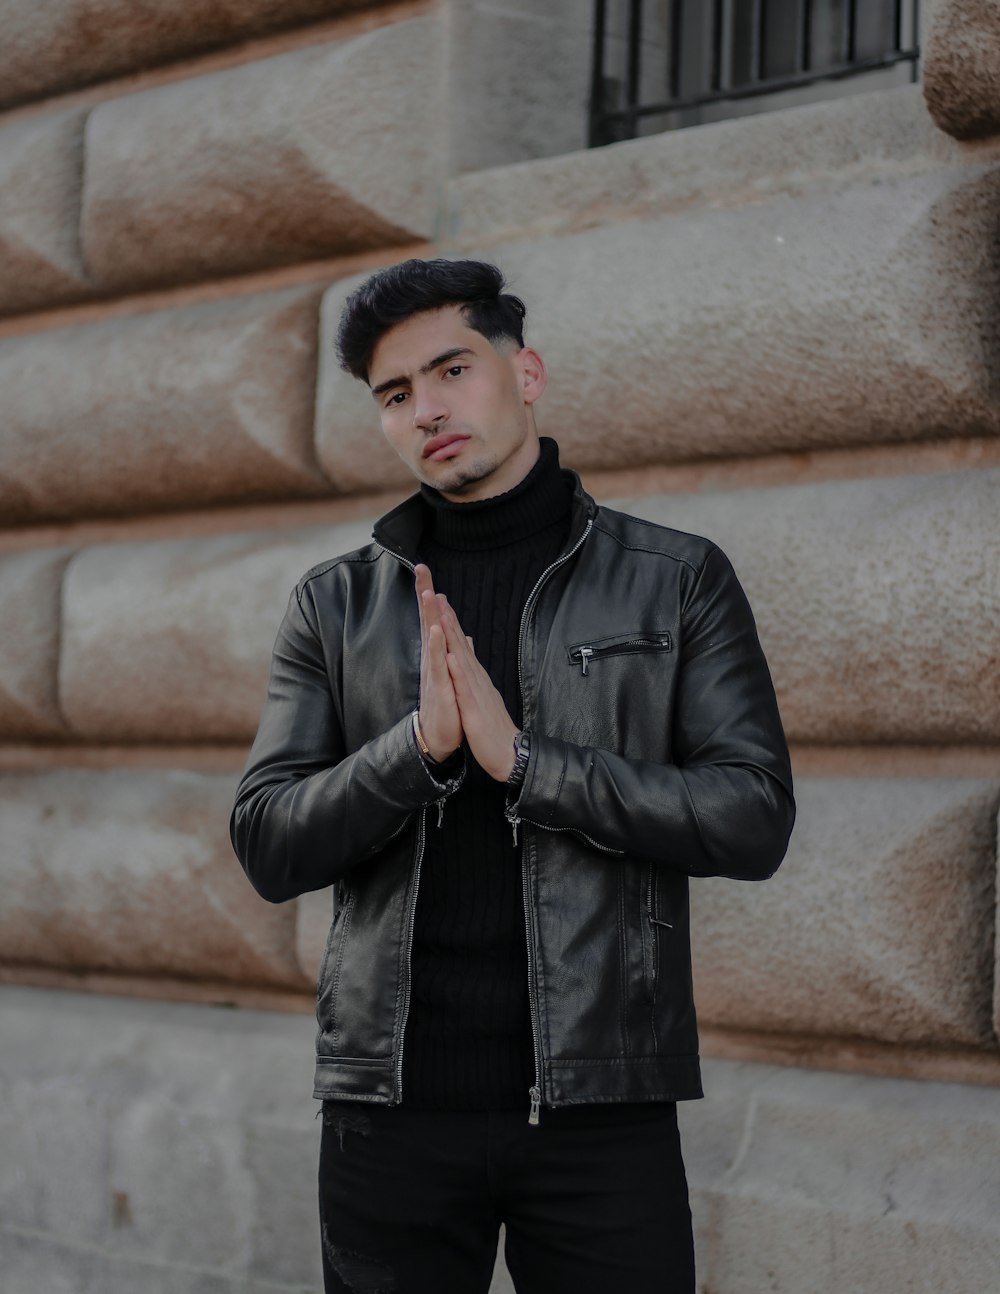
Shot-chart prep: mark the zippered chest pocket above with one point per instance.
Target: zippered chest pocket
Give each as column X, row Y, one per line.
column 584, row 654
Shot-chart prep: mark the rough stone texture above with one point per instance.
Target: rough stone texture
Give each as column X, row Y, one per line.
column 53, row 45
column 765, row 328
column 820, row 1183
column 879, row 924
column 157, row 1147
column 961, row 67
column 818, row 146
column 132, row 872
column 176, row 408
column 30, row 590
column 519, row 80
column 280, row 160
column 40, row 177
column 171, row 641
column 173, row 1149
column 996, row 945
column 878, row 601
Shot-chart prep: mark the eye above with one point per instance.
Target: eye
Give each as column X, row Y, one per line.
column 397, row 397
column 455, row 370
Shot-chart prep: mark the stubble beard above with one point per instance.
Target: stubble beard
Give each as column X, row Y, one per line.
column 463, row 478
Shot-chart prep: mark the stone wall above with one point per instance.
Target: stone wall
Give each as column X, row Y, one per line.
column 778, row 331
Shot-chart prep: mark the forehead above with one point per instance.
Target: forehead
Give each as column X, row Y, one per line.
column 407, row 347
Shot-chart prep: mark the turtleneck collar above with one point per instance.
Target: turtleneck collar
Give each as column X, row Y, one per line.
column 542, row 498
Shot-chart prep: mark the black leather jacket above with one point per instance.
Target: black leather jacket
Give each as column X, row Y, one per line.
column 656, row 754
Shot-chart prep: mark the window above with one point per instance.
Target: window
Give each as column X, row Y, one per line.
column 662, row 64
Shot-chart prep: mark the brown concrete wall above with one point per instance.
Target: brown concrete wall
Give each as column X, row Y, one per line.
column 169, row 640
column 185, row 407
column 56, row 45
column 777, row 331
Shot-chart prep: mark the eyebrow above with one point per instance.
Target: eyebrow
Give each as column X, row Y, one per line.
column 429, row 367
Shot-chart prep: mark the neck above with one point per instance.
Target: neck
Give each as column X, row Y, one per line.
column 540, row 497
column 506, row 477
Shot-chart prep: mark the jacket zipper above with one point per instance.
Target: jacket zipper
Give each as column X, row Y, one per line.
column 410, row 916
column 411, row 910
column 511, row 815
column 586, row 652
column 535, row 1091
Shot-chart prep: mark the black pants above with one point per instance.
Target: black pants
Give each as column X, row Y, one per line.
column 594, row 1199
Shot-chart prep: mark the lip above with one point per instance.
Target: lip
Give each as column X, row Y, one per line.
column 437, row 447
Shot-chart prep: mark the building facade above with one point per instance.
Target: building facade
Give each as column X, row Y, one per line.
column 779, row 330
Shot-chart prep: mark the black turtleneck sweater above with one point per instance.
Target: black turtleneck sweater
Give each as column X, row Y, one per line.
column 468, row 1037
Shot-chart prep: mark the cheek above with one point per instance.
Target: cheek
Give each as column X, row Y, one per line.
column 393, row 433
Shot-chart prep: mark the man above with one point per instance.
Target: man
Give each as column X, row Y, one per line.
column 506, row 732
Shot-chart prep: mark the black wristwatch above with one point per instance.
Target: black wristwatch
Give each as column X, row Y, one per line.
column 522, row 749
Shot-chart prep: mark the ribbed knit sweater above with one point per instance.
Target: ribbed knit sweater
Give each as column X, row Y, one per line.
column 468, row 1038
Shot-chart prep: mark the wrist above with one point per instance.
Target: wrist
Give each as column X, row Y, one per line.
column 521, row 750
column 430, row 755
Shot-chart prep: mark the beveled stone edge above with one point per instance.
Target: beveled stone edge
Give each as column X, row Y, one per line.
column 687, row 160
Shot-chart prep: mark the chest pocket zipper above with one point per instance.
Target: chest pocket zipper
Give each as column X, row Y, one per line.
column 583, row 654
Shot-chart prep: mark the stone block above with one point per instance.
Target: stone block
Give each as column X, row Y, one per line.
column 820, row 1183
column 41, row 161
column 53, row 45
column 171, row 640
column 878, row 601
column 996, row 974
column 154, row 1140
column 30, row 595
column 132, row 872
column 519, row 80
column 202, row 404
column 879, row 924
column 750, row 160
column 767, row 327
column 29, row 1267
column 961, row 67
column 284, row 159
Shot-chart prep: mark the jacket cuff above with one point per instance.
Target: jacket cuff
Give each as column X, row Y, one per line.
column 431, row 781
column 538, row 794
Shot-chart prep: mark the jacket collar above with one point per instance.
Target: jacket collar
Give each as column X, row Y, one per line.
column 400, row 529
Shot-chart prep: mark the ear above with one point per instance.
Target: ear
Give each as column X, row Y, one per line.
column 532, row 374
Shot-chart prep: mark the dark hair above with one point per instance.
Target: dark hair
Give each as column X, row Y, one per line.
column 398, row 292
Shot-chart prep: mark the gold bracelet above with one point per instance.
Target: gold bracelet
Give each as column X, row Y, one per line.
column 425, row 750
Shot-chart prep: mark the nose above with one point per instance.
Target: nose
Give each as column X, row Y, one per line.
column 429, row 411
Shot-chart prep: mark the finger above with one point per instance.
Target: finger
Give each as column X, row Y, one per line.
column 443, row 605
column 437, row 653
column 459, row 679
column 453, row 634
column 431, row 610
column 423, row 578
column 420, row 582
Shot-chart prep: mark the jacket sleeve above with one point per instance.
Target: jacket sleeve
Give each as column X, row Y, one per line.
column 725, row 808
column 307, row 809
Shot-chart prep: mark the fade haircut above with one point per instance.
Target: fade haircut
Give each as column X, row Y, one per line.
column 397, row 293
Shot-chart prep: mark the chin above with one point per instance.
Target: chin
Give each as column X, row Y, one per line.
column 462, row 479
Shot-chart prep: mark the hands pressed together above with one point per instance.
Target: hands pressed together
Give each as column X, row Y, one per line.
column 457, row 696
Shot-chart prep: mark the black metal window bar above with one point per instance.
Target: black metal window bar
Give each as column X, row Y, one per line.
column 656, row 61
